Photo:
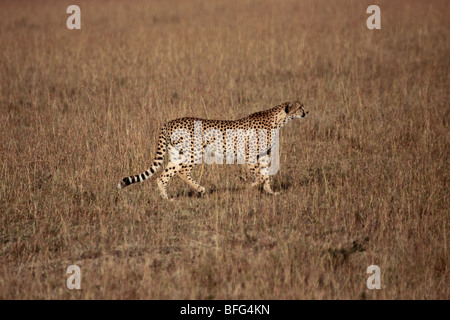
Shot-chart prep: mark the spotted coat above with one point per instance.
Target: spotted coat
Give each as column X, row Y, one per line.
column 184, row 153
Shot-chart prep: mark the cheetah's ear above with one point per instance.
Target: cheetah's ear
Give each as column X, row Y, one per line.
column 288, row 107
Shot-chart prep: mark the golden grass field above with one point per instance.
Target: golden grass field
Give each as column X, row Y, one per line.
column 364, row 179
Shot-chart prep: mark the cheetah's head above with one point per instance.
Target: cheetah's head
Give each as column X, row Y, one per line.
column 294, row 109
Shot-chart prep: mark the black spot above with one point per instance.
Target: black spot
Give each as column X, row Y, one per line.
column 143, row 176
column 126, row 181
column 151, row 170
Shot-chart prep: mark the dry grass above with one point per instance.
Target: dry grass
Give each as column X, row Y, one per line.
column 364, row 178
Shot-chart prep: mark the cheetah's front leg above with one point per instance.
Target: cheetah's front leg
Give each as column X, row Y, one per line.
column 264, row 163
column 266, row 184
column 261, row 180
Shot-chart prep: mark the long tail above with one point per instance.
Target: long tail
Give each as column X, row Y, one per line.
column 159, row 158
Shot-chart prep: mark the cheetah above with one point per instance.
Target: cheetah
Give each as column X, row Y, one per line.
column 210, row 136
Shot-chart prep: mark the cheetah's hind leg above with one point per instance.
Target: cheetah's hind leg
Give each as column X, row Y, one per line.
column 171, row 170
column 185, row 175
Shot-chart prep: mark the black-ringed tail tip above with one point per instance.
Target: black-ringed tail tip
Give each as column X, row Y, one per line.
column 125, row 182
column 139, row 177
